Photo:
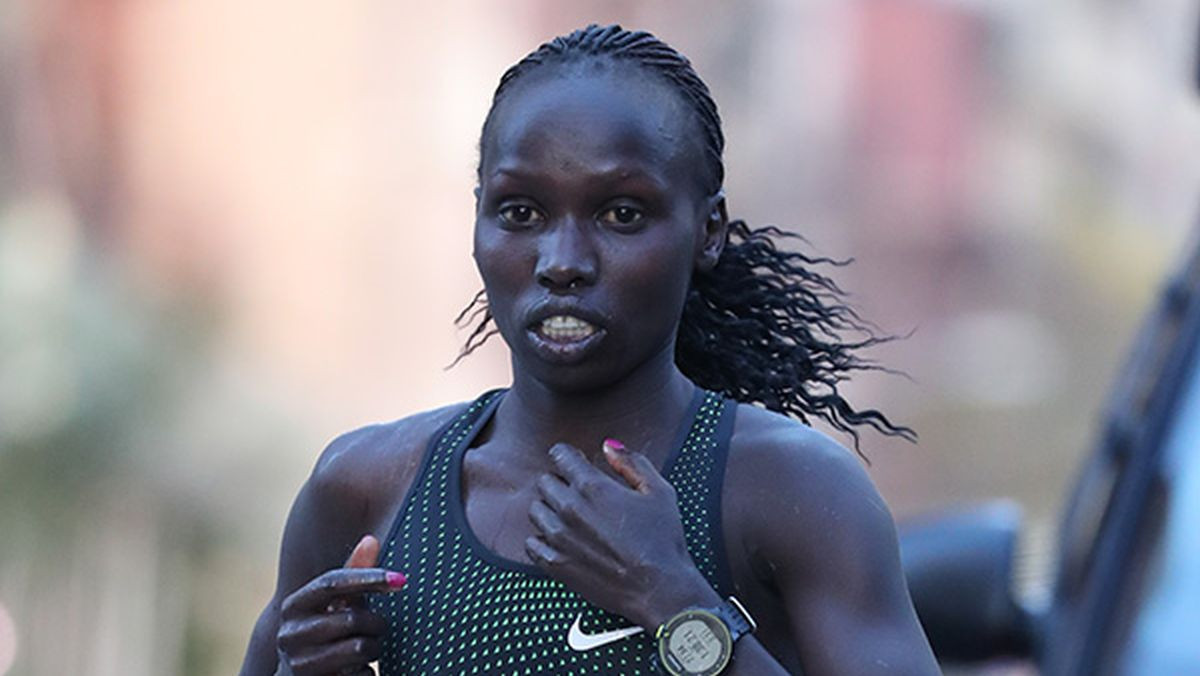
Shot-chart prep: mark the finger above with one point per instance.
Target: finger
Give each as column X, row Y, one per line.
column 552, row 530
column 351, row 655
column 635, row 468
column 572, row 465
column 365, row 553
column 542, row 554
column 341, row 584
column 554, row 492
column 321, row 629
column 548, row 524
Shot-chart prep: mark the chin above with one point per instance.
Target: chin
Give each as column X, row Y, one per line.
column 601, row 370
column 598, row 369
column 574, row 379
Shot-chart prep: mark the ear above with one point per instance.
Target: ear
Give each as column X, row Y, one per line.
column 476, row 191
column 716, row 229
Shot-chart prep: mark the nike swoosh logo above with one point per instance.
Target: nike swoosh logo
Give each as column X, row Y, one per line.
column 581, row 641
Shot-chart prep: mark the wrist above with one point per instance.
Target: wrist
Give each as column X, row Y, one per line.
column 672, row 596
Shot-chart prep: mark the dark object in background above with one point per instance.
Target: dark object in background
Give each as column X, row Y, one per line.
column 960, row 567
column 1127, row 588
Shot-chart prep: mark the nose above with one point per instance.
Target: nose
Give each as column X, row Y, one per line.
column 566, row 257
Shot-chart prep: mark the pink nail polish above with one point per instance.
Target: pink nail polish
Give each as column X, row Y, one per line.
column 396, row 580
column 614, row 445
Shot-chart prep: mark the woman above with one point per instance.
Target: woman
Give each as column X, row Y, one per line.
column 616, row 510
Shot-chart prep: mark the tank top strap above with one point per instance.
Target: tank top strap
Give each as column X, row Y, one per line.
column 697, row 473
column 428, row 490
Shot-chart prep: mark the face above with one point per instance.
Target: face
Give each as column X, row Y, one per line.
column 590, row 221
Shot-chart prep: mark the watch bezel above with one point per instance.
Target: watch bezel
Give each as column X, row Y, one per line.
column 714, row 622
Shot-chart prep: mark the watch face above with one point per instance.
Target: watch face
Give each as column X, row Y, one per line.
column 695, row 642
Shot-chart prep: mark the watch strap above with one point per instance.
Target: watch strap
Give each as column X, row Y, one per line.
column 736, row 617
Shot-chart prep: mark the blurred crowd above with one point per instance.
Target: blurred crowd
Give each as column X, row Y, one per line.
column 231, row 230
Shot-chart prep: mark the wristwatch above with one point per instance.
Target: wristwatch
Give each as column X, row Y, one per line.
column 699, row 641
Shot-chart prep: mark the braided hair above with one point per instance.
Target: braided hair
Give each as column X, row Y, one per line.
column 762, row 326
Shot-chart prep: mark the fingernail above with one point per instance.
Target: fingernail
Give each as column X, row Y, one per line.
column 614, row 445
column 396, row 580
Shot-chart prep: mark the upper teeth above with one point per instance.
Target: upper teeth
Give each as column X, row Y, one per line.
column 566, row 327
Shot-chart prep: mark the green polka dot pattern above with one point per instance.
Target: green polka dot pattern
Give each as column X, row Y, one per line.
column 464, row 612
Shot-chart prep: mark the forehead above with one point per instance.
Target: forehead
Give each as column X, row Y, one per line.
column 593, row 113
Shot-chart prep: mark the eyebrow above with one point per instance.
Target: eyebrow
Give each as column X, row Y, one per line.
column 614, row 175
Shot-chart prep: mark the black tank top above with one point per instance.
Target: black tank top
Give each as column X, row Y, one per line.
column 466, row 610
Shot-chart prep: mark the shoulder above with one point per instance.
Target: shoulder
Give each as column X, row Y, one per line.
column 771, row 450
column 355, row 485
column 813, row 489
column 374, row 456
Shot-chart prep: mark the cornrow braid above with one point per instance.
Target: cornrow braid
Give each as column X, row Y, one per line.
column 763, row 325
column 646, row 51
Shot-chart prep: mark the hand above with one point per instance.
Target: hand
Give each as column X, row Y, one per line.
column 326, row 626
column 619, row 545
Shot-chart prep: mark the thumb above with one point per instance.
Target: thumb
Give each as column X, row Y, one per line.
column 633, row 467
column 365, row 553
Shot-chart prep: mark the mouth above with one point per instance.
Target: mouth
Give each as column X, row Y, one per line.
column 564, row 329
column 564, row 338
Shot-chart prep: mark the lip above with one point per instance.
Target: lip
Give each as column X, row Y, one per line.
column 564, row 352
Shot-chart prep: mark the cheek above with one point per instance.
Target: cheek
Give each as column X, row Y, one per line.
column 494, row 261
column 503, row 270
column 656, row 282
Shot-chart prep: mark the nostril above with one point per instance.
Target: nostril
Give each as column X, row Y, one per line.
column 552, row 280
column 563, row 276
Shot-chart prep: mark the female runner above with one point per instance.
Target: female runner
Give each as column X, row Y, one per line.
column 624, row 507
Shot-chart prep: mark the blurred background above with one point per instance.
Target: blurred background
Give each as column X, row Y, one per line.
column 231, row 230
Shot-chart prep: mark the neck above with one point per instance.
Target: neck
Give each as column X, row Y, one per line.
column 642, row 410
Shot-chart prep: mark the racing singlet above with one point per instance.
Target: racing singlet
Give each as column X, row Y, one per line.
column 466, row 610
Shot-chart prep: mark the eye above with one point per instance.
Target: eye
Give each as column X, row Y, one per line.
column 521, row 215
column 621, row 216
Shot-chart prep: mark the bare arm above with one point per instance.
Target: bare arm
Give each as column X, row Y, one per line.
column 317, row 537
column 813, row 521
column 352, row 492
